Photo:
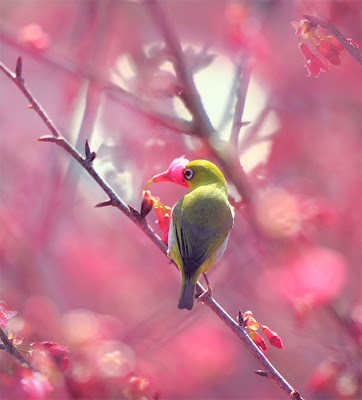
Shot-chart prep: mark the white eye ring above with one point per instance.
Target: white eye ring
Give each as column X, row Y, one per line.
column 188, row 173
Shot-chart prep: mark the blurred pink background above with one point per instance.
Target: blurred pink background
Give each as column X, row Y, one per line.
column 90, row 279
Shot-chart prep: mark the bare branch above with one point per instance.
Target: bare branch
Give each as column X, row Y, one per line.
column 135, row 217
column 35, row 105
column 115, row 91
column 244, row 80
column 202, row 126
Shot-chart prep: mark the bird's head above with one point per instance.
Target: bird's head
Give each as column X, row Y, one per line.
column 191, row 174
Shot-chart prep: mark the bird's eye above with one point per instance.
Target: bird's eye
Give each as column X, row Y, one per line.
column 188, row 174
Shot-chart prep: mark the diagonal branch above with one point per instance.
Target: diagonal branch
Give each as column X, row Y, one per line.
column 114, row 200
column 127, row 99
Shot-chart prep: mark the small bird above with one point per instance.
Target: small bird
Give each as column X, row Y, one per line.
column 200, row 224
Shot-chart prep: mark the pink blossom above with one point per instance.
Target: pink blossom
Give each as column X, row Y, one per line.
column 5, row 314
column 57, row 352
column 36, row 385
column 35, row 37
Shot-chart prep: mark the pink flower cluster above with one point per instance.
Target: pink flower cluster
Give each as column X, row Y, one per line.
column 328, row 46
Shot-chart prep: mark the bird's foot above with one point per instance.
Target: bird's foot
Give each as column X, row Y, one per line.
column 208, row 292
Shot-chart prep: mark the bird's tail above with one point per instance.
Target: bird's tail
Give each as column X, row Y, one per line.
column 187, row 294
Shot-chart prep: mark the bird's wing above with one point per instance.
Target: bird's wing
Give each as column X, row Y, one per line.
column 201, row 222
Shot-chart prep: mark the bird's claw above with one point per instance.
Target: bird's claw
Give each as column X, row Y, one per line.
column 208, row 292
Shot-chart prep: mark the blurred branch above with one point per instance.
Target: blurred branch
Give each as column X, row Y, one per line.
column 242, row 90
column 203, row 128
column 337, row 34
column 250, row 136
column 9, row 348
column 127, row 99
column 226, row 117
column 114, row 200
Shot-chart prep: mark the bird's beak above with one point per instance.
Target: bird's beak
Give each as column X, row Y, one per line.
column 168, row 176
column 174, row 173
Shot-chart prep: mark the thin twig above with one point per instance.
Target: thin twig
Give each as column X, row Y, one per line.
column 337, row 34
column 18, row 79
column 9, row 348
column 128, row 100
column 226, row 116
column 250, row 136
column 134, row 216
column 241, row 93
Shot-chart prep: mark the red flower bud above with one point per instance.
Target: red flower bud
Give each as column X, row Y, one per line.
column 147, row 203
column 259, row 341
column 273, row 337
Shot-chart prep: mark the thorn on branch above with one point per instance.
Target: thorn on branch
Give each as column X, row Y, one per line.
column 104, row 204
column 240, row 319
column 18, row 69
column 244, row 123
column 47, row 138
column 261, row 373
column 89, row 155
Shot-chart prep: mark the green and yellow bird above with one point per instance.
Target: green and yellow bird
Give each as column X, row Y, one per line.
column 201, row 221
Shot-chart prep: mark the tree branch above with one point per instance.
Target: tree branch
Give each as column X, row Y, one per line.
column 242, row 90
column 134, row 216
column 127, row 99
column 202, row 126
column 337, row 34
column 9, row 348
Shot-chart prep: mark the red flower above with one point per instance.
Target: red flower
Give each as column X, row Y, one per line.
column 314, row 64
column 163, row 219
column 273, row 337
column 57, row 352
column 329, row 51
column 259, row 341
column 336, row 43
column 5, row 314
